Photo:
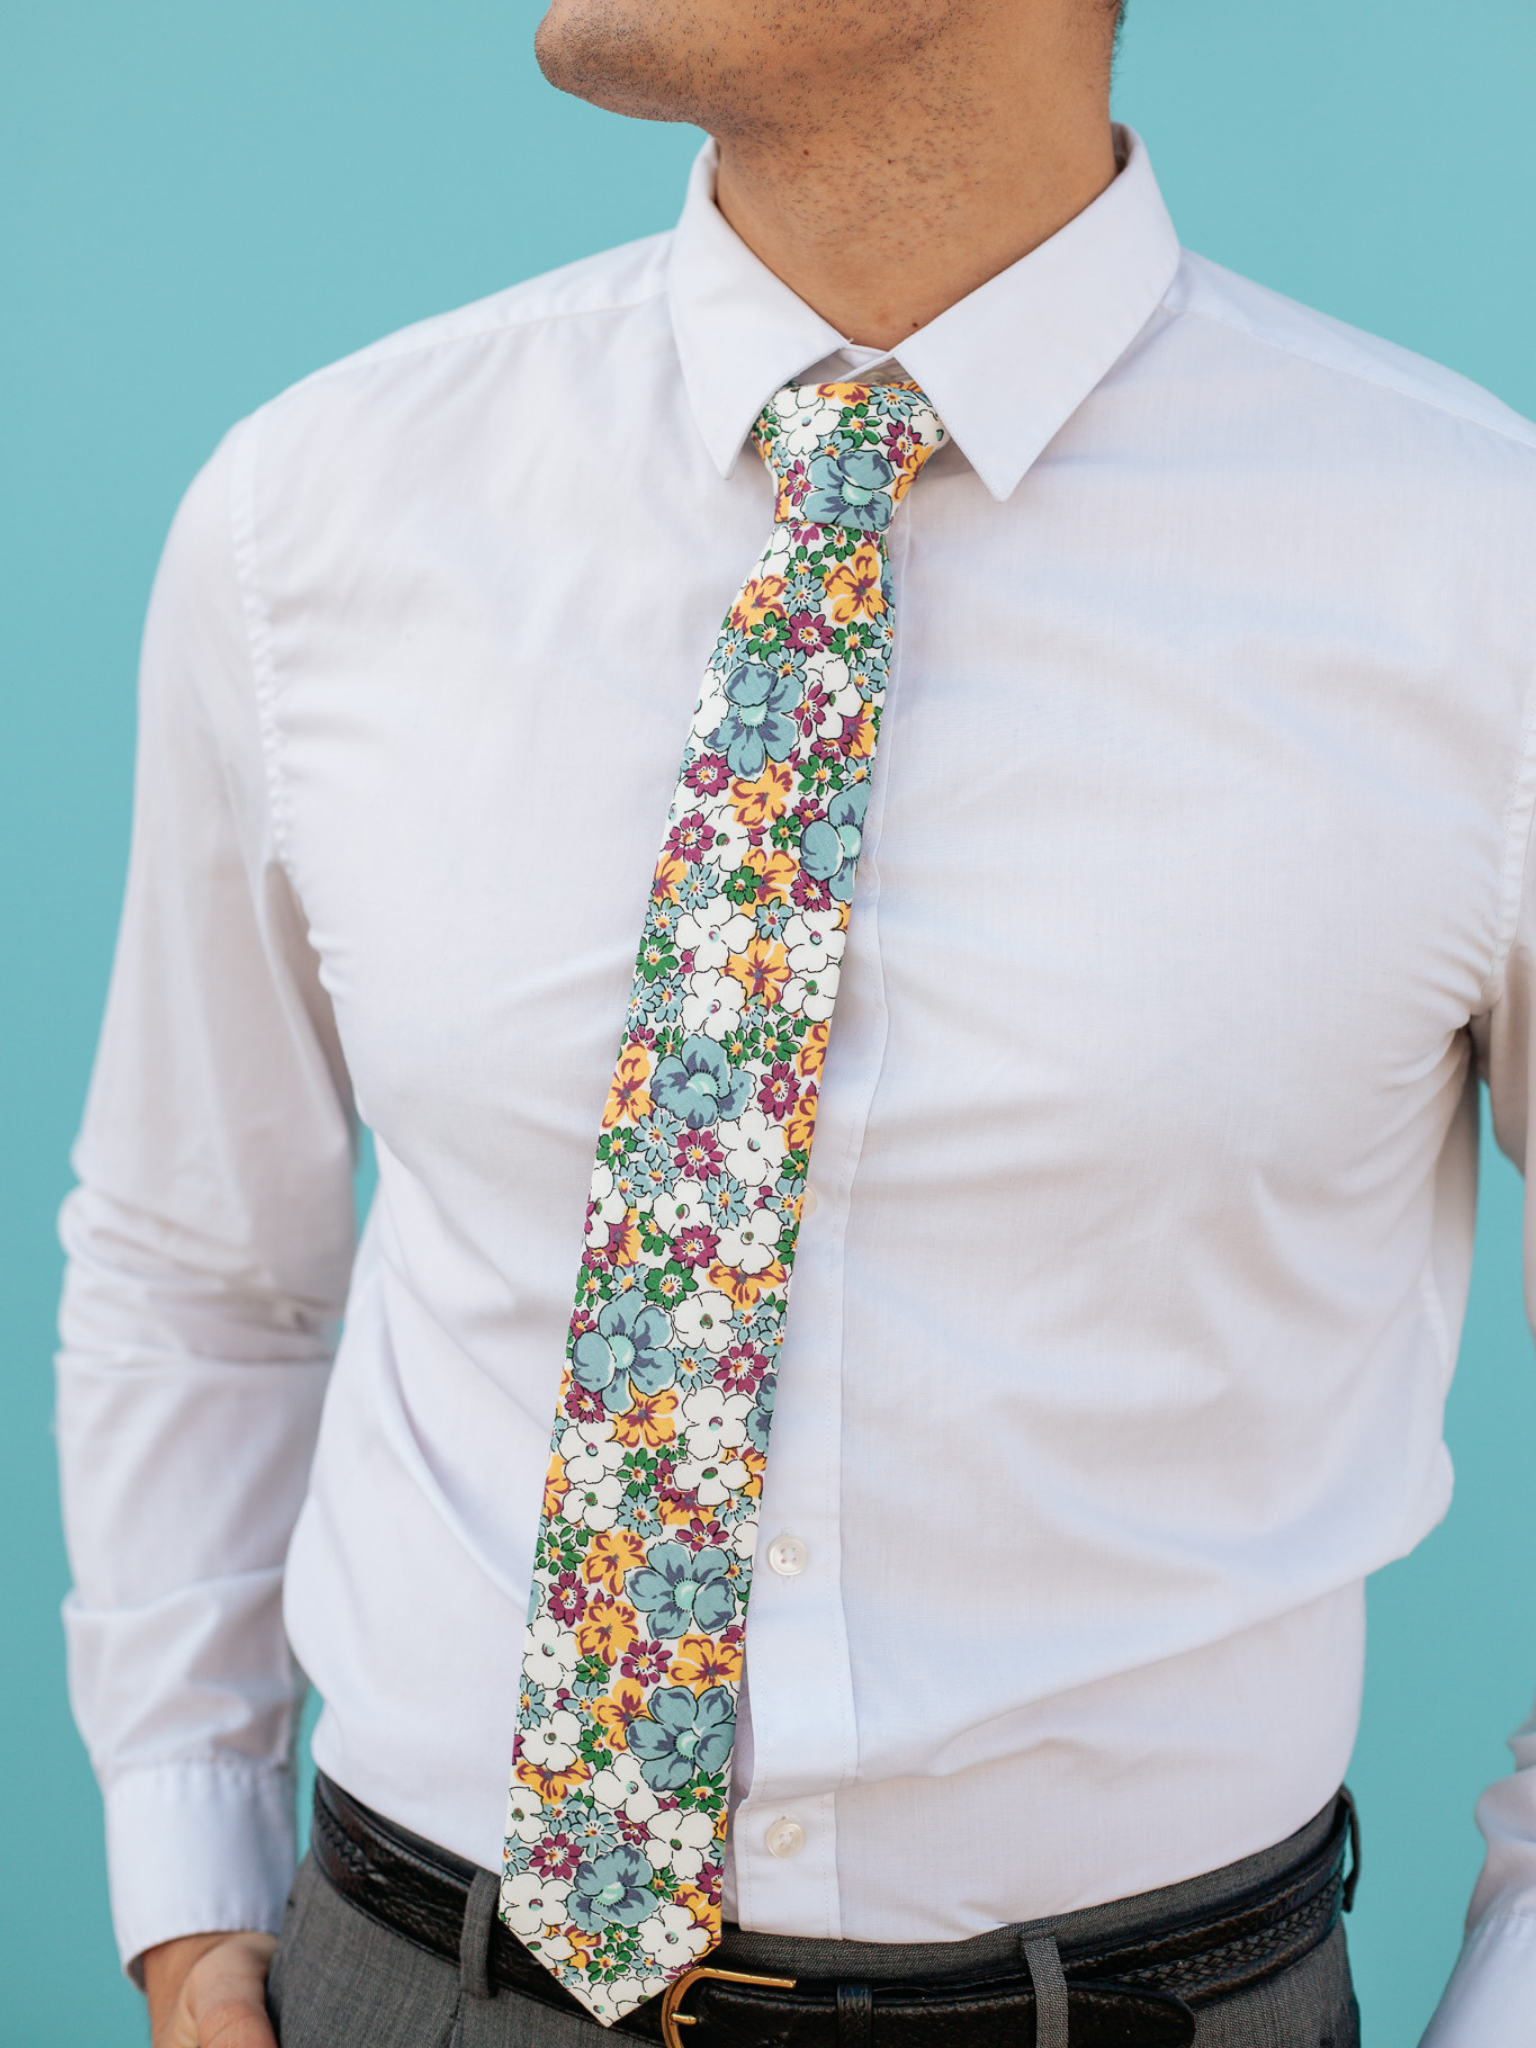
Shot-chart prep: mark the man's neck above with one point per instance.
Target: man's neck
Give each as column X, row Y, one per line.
column 881, row 225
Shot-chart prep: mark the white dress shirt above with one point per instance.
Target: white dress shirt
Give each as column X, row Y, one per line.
column 1192, row 902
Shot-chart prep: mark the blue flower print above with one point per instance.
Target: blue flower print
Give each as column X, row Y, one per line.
column 697, row 1084
column 629, row 1343
column 760, row 1421
column 685, row 1737
column 592, row 1828
column 757, row 729
column 728, row 1198
column 829, row 847
column 614, row 1887
column 850, row 489
column 679, row 1592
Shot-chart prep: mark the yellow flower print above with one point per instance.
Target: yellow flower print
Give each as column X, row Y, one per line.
column 648, row 1422
column 853, row 587
column 610, row 1554
column 762, row 970
column 760, row 595
column 549, row 1785
column 606, row 1630
column 702, row 1662
column 690, row 1898
column 556, row 1486
column 744, row 1290
column 800, row 1125
column 624, row 1240
column 813, row 1052
column 618, row 1712
column 763, row 798
column 670, row 870
column 629, row 1099
column 775, row 871
column 859, row 734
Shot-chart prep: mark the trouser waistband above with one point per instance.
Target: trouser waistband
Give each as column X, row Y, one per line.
column 1131, row 1971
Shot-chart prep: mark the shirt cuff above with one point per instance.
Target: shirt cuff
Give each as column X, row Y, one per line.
column 1492, row 1993
column 198, row 1848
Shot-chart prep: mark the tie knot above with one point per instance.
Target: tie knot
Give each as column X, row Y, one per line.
column 845, row 454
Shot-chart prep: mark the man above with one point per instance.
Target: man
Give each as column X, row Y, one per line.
column 1154, row 768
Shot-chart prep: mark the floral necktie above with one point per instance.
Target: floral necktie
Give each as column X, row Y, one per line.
column 633, row 1657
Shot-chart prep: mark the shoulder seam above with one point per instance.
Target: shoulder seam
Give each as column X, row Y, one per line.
column 1360, row 376
column 258, row 632
column 380, row 352
column 1519, row 831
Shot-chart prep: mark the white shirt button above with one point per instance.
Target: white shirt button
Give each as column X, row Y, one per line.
column 789, row 1557
column 785, row 1838
column 807, row 1205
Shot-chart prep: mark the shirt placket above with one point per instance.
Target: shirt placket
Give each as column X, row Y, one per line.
column 800, row 1677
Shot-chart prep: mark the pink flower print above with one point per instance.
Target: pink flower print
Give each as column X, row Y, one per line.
column 695, row 1246
column 808, row 893
column 647, row 1662
column 709, row 775
column 779, row 1091
column 567, row 1596
column 690, row 837
column 809, row 632
column 740, row 1369
column 582, row 1405
column 699, row 1155
column 555, row 1856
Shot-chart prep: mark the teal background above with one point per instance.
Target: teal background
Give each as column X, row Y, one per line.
column 201, row 202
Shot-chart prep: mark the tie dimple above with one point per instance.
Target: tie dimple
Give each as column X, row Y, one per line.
column 634, row 1649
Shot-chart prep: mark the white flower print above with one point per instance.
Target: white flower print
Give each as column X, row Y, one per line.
column 552, row 1741
column 549, row 1651
column 752, row 1246
column 678, row 1841
column 754, row 1148
column 843, row 703
column 812, row 997
column 591, row 1451
column 704, row 1318
column 713, row 1003
column 531, row 1903
column 525, row 1815
column 830, row 670
column 715, row 1420
column 714, row 933
column 812, row 940
column 687, row 1203
column 712, row 1479
column 672, row 1936
column 622, row 1789
column 802, row 434
column 594, row 1502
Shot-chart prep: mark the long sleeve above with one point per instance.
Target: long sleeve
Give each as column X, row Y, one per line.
column 1492, row 1992
column 209, row 1245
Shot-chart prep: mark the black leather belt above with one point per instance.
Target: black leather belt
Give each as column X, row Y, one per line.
column 1133, row 1992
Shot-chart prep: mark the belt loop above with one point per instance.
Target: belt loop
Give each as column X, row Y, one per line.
column 475, row 1939
column 1044, row 1960
column 855, row 2016
column 1353, row 1878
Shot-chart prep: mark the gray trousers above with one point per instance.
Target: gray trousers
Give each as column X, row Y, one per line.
column 341, row 1981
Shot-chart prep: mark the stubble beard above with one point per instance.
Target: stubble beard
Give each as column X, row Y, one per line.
column 652, row 64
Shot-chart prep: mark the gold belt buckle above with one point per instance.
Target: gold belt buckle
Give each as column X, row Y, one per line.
column 672, row 1997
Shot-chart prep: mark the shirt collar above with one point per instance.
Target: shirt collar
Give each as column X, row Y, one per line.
column 1005, row 367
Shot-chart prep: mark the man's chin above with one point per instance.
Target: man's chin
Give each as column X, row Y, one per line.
column 608, row 52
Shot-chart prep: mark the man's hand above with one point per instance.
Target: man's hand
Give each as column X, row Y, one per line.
column 209, row 1991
